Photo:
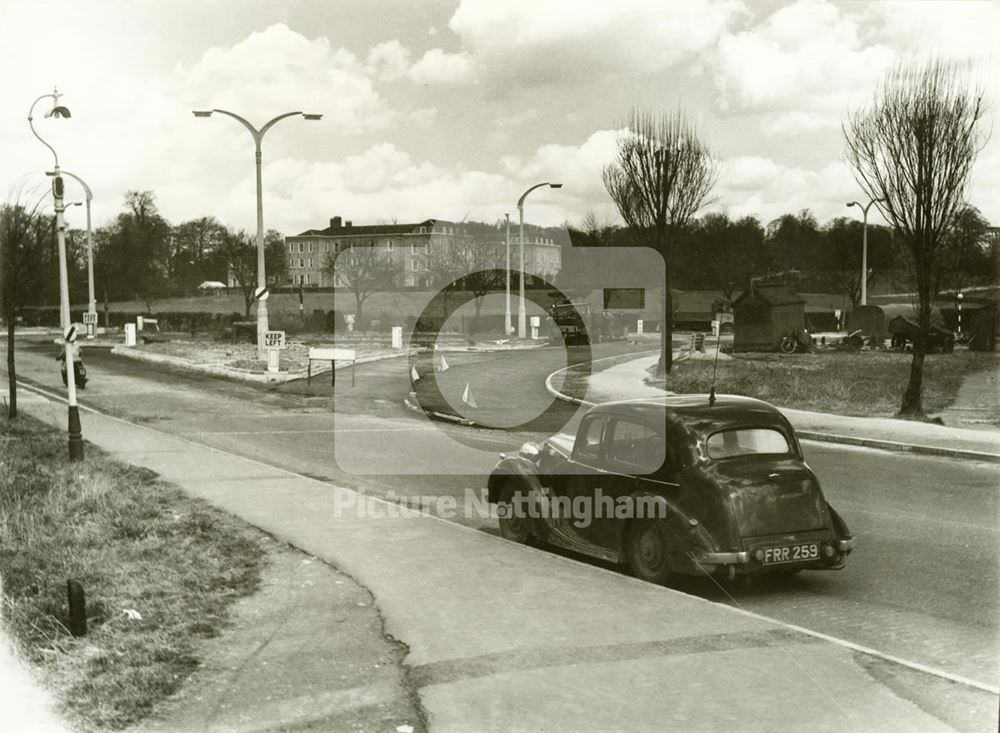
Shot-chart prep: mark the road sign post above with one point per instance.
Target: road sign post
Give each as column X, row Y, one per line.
column 90, row 321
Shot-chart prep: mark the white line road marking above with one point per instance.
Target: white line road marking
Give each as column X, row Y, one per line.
column 926, row 669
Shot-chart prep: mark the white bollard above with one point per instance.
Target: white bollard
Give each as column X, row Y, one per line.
column 272, row 359
column 130, row 334
column 397, row 337
column 536, row 323
column 638, row 327
column 138, row 323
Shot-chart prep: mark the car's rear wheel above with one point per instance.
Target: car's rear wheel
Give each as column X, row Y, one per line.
column 647, row 548
column 512, row 526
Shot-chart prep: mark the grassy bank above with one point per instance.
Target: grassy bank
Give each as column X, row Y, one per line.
column 135, row 543
column 846, row 383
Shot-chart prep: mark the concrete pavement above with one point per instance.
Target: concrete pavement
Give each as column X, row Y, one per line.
column 505, row 637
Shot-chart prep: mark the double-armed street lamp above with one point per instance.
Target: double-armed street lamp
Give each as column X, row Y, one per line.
column 864, row 248
column 75, row 430
column 522, row 320
column 258, row 136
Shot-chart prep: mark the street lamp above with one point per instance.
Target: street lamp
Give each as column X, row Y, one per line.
column 507, row 327
column 258, row 136
column 522, row 320
column 91, row 301
column 75, row 430
column 864, row 249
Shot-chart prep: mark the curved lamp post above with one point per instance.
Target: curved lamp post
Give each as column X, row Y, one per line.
column 522, row 320
column 258, row 136
column 75, row 430
column 864, row 248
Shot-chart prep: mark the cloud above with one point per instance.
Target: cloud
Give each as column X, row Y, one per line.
column 802, row 67
column 424, row 116
column 440, row 67
column 806, row 64
column 388, row 61
column 278, row 69
column 540, row 40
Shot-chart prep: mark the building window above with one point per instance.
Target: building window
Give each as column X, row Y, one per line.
column 300, row 247
column 302, row 262
column 310, row 262
column 309, row 247
column 291, row 247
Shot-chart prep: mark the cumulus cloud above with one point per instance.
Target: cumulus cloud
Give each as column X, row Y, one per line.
column 437, row 67
column 537, row 40
column 279, row 69
column 807, row 63
column 388, row 61
column 801, row 66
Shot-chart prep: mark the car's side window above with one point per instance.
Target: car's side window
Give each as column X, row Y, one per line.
column 588, row 442
column 634, row 447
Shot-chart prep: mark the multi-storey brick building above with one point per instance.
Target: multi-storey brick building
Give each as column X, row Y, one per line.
column 411, row 246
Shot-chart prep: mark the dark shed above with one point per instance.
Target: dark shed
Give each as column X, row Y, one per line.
column 873, row 320
column 764, row 314
column 982, row 325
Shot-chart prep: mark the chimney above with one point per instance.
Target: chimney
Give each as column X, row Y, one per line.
column 335, row 222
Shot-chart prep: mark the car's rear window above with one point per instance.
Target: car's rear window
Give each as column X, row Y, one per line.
column 746, row 441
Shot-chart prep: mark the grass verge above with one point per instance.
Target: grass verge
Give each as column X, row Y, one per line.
column 134, row 542
column 865, row 383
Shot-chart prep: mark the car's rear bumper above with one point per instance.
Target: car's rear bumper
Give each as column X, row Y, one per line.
column 833, row 554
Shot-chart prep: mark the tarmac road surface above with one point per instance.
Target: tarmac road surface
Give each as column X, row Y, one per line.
column 922, row 585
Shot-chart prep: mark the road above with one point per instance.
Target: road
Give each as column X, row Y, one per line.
column 922, row 585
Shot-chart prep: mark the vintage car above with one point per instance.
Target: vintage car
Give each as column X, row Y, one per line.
column 674, row 485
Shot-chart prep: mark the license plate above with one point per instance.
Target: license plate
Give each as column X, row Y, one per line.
column 790, row 553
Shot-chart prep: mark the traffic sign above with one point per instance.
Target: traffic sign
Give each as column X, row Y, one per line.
column 89, row 319
column 261, row 293
column 70, row 335
column 274, row 339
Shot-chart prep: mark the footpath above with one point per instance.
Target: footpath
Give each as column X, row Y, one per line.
column 627, row 381
column 503, row 637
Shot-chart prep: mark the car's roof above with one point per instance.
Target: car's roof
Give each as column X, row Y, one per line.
column 694, row 410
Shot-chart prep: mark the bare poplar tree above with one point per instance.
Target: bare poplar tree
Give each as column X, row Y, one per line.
column 663, row 174
column 914, row 148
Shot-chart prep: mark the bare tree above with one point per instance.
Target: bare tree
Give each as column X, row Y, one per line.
column 238, row 251
column 913, row 148
column 22, row 230
column 364, row 270
column 475, row 263
column 661, row 177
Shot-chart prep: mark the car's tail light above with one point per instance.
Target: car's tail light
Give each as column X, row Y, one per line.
column 828, row 550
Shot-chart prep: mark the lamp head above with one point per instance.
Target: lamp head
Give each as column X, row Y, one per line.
column 852, row 203
column 555, row 185
column 202, row 113
column 58, row 111
column 312, row 116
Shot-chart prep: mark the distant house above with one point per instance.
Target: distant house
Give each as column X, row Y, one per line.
column 873, row 320
column 764, row 314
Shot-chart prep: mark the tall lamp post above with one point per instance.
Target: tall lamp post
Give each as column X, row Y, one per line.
column 507, row 327
column 91, row 301
column 522, row 319
column 258, row 136
column 75, row 430
column 864, row 248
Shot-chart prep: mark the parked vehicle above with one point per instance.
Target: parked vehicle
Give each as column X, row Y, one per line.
column 694, row 488
column 573, row 321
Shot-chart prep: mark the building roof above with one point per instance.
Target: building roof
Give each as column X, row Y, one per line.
column 369, row 229
column 776, row 294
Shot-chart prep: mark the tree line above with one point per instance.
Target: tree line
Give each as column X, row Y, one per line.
column 139, row 255
column 717, row 252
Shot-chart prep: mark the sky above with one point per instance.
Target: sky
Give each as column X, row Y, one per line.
column 452, row 108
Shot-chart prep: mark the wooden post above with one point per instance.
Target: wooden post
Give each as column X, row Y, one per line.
column 77, row 608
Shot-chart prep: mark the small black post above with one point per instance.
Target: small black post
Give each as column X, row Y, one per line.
column 353, row 362
column 309, row 374
column 77, row 608
column 333, row 373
